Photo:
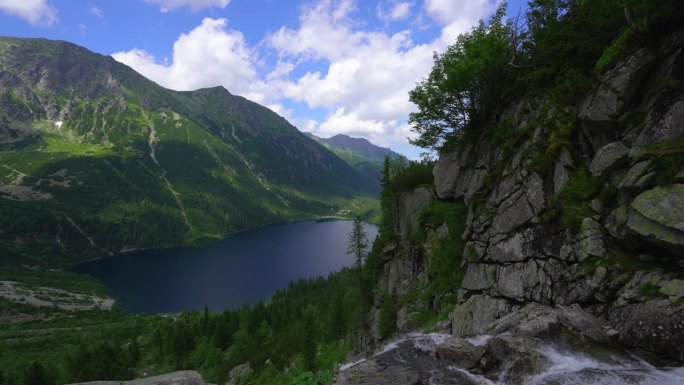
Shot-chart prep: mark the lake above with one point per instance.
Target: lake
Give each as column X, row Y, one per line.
column 243, row 268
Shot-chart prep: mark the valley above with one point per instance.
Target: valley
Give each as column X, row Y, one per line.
column 150, row 235
column 116, row 161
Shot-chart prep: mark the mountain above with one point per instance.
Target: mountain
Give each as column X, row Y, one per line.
column 361, row 154
column 96, row 159
column 358, row 146
column 555, row 225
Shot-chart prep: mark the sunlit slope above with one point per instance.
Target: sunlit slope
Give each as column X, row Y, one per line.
column 95, row 159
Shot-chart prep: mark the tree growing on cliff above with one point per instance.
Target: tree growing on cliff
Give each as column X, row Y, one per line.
column 388, row 316
column 466, row 84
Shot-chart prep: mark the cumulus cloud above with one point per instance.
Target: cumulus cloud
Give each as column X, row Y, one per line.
column 209, row 55
column 367, row 78
column 36, row 12
column 457, row 16
column 358, row 75
column 170, row 5
column 397, row 10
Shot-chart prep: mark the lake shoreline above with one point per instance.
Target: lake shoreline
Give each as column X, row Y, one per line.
column 244, row 267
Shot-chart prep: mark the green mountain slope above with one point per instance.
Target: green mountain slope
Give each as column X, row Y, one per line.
column 361, row 154
column 96, row 159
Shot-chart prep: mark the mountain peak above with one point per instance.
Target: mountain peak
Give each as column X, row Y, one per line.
column 135, row 165
column 359, row 146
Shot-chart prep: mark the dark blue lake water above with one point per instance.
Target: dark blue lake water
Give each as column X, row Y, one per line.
column 243, row 268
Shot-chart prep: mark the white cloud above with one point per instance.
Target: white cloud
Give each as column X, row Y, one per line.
column 97, row 11
column 458, row 16
column 170, row 5
column 36, row 12
column 358, row 75
column 447, row 11
column 368, row 75
column 209, row 55
column 398, row 10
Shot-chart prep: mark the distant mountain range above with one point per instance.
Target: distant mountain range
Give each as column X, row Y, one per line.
column 96, row 159
column 359, row 153
column 358, row 146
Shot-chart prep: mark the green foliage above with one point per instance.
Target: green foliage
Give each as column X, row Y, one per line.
column 444, row 264
column 357, row 243
column 467, row 83
column 651, row 290
column 614, row 51
column 668, row 159
column 292, row 331
column 560, row 50
column 139, row 166
column 559, row 129
column 388, row 317
column 37, row 374
column 415, row 174
column 573, row 198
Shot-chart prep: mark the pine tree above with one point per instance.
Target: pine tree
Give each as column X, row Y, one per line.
column 36, row 374
column 357, row 243
column 388, row 316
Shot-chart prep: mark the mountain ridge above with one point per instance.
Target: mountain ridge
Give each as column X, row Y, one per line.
column 99, row 159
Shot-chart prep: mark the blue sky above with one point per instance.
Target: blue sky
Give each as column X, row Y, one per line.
column 328, row 66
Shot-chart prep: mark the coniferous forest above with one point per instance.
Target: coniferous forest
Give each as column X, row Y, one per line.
column 558, row 48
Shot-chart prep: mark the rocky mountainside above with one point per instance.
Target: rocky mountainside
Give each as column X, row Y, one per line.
column 95, row 159
column 571, row 232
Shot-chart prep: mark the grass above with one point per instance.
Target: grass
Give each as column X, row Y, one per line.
column 613, row 52
column 573, row 198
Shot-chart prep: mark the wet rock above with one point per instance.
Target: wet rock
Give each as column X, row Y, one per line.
column 408, row 362
column 512, row 360
column 460, row 352
column 545, row 322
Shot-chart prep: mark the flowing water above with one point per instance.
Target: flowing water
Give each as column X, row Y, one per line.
column 563, row 367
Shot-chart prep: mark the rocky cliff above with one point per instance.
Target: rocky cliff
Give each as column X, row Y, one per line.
column 578, row 207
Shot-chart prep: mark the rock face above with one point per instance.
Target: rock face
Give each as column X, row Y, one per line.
column 536, row 345
column 542, row 258
column 409, row 362
column 187, row 377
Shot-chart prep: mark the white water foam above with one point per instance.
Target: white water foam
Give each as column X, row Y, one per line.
column 573, row 368
column 480, row 340
column 351, row 364
column 425, row 342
